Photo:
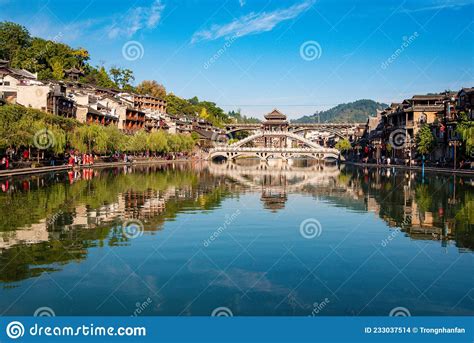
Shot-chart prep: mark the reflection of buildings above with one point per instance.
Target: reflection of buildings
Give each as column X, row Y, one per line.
column 421, row 211
column 274, row 194
column 35, row 233
column 76, row 214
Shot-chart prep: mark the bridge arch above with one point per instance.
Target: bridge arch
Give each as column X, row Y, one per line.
column 231, row 131
column 331, row 131
column 265, row 155
column 285, row 134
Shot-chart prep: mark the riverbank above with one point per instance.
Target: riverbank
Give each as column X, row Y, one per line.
column 414, row 168
column 49, row 169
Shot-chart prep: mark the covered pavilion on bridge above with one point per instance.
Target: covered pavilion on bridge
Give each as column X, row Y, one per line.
column 275, row 121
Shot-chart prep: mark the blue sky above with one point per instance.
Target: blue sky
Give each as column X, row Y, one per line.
column 299, row 56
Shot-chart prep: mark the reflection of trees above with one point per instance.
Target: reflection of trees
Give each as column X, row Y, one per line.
column 465, row 221
column 25, row 261
column 423, row 197
column 184, row 190
column 440, row 208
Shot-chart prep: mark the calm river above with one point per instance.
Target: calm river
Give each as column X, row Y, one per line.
column 228, row 239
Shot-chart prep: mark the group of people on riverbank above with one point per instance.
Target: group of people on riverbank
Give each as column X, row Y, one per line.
column 74, row 158
column 442, row 164
column 78, row 159
column 370, row 155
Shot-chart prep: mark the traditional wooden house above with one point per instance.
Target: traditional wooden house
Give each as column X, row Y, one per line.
column 59, row 103
column 143, row 102
column 11, row 78
column 73, row 74
column 466, row 101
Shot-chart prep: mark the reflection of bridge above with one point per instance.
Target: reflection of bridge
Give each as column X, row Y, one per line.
column 274, row 139
column 275, row 183
column 295, row 177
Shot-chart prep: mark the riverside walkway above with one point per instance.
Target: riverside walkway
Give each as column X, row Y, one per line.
column 415, row 168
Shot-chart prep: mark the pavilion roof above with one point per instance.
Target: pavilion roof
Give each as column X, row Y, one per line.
column 73, row 70
column 275, row 115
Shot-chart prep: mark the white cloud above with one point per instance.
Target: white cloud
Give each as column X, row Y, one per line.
column 252, row 23
column 136, row 19
column 443, row 5
column 242, row 3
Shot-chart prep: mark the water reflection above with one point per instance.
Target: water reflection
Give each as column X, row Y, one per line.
column 48, row 221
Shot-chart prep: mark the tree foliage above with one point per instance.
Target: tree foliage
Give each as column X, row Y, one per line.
column 18, row 126
column 424, row 140
column 195, row 108
column 13, row 39
column 51, row 58
column 90, row 139
column 465, row 128
column 239, row 118
column 151, row 87
column 122, row 78
column 343, row 145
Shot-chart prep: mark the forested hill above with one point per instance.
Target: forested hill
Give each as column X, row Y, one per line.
column 352, row 112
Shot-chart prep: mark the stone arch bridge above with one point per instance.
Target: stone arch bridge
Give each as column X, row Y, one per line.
column 303, row 148
column 275, row 137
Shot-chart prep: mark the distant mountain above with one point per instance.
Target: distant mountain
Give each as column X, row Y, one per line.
column 352, row 112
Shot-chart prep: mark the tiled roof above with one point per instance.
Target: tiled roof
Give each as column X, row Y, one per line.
column 275, row 114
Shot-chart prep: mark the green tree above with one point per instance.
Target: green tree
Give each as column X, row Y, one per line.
column 178, row 106
column 138, row 142
column 237, row 117
column 13, row 39
column 122, row 78
column 115, row 74
column 343, row 145
column 157, row 142
column 57, row 70
column 151, row 87
column 18, row 125
column 424, row 140
column 90, row 138
column 116, row 139
column 174, row 143
column 465, row 128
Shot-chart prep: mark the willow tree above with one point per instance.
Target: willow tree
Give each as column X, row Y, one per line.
column 15, row 130
column 138, row 142
column 116, row 139
column 90, row 138
column 157, row 142
column 465, row 128
column 47, row 137
column 174, row 142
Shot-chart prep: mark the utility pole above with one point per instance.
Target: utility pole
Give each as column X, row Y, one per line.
column 455, row 144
